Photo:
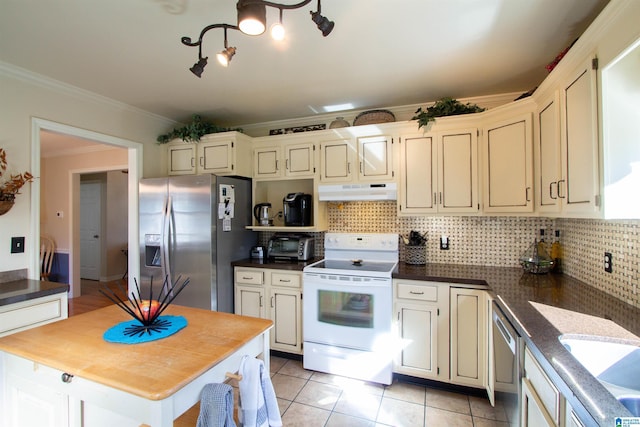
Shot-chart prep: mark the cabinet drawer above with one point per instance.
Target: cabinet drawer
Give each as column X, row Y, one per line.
column 284, row 279
column 548, row 393
column 250, row 277
column 418, row 292
column 30, row 314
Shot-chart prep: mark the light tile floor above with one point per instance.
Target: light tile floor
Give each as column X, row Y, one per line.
column 307, row 398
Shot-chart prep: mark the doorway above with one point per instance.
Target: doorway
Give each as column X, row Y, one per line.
column 134, row 168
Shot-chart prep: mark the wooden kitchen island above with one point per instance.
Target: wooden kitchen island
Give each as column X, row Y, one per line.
column 66, row 374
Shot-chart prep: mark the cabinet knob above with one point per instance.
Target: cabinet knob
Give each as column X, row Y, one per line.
column 66, row 378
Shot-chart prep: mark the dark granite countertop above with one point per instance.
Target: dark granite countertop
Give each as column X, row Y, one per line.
column 26, row 289
column 561, row 305
column 275, row 264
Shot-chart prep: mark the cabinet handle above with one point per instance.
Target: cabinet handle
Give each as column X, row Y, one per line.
column 286, row 164
column 201, row 160
column 193, row 161
column 558, row 189
column 284, row 280
column 271, row 302
column 435, row 198
column 260, row 300
column 551, row 184
column 361, row 168
column 66, row 378
column 348, row 168
column 440, row 196
column 526, row 194
column 246, row 278
column 277, row 165
column 416, row 293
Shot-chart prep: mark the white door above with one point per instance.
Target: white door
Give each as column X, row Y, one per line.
column 90, row 220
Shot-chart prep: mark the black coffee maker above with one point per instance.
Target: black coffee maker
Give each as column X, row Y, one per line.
column 297, row 209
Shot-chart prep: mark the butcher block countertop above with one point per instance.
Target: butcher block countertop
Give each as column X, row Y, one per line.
column 152, row 370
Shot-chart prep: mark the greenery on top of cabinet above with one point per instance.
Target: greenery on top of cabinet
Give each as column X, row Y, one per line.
column 193, row 131
column 444, row 107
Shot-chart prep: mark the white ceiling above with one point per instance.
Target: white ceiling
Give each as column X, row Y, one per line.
column 382, row 53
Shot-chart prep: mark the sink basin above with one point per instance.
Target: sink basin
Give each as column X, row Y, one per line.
column 616, row 364
column 632, row 403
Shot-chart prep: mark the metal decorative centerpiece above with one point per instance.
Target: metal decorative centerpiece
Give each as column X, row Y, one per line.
column 148, row 324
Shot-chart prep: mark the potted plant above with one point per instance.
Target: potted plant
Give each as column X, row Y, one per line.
column 9, row 188
column 193, row 131
column 444, row 107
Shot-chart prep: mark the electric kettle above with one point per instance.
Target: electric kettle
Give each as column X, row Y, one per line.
column 261, row 213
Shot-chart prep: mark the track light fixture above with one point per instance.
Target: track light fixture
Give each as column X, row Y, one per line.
column 252, row 20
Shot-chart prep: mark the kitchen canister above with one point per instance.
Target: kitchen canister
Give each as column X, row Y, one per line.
column 415, row 255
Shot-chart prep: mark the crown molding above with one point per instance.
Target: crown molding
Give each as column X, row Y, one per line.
column 22, row 74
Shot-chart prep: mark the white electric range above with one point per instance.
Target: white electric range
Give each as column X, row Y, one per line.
column 347, row 307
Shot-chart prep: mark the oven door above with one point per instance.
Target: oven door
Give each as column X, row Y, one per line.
column 347, row 311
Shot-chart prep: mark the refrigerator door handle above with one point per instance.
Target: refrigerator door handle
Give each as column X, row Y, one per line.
column 165, row 251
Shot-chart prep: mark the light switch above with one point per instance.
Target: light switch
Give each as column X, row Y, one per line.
column 17, row 245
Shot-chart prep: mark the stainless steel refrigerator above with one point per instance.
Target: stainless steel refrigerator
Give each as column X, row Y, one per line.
column 194, row 227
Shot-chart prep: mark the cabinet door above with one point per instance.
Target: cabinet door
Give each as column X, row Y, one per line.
column 31, row 396
column 182, row 159
column 375, row 158
column 249, row 301
column 508, row 164
column 458, row 171
column 468, row 337
column 418, row 174
column 548, row 151
column 532, row 411
column 285, row 311
column 336, row 158
column 266, row 162
column 216, row 157
column 417, row 330
column 299, row 160
column 580, row 189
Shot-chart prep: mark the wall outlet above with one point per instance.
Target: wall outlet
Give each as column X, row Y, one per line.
column 444, row 243
column 608, row 260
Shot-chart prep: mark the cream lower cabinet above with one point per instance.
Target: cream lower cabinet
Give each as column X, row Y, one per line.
column 275, row 295
column 468, row 337
column 421, row 325
column 541, row 400
column 31, row 313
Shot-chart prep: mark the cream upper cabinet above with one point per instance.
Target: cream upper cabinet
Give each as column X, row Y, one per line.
column 439, row 172
column 225, row 153
column 507, row 158
column 547, row 153
column 579, row 187
column 283, row 160
column 360, row 159
column 337, row 158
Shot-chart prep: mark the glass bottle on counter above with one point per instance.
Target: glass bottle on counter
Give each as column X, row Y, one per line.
column 556, row 253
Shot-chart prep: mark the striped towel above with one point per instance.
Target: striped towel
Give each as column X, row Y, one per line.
column 216, row 406
column 258, row 403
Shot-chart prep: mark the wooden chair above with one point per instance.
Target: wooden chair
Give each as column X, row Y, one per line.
column 47, row 249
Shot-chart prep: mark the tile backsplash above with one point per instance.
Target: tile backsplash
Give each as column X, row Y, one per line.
column 500, row 240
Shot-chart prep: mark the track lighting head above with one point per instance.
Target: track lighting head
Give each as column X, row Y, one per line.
column 252, row 17
column 224, row 57
column 324, row 25
column 198, row 67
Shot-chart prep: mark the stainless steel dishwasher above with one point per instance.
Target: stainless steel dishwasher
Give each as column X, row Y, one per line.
column 507, row 351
